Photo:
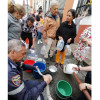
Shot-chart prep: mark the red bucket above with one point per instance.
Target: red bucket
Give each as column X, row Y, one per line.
column 29, row 62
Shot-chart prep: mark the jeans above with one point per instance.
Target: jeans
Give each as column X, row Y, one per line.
column 39, row 35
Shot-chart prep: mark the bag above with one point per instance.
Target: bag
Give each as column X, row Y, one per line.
column 43, row 49
column 60, row 44
column 68, row 53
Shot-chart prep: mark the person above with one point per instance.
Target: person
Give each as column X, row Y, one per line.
column 15, row 13
column 28, row 31
column 39, row 20
column 18, row 88
column 87, row 85
column 79, row 18
column 85, row 41
column 67, row 32
column 50, row 26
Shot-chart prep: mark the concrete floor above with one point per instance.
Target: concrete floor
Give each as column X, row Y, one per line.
column 59, row 75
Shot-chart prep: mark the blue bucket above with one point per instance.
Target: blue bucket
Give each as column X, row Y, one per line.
column 42, row 68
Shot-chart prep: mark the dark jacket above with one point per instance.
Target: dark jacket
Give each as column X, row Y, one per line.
column 66, row 31
column 19, row 89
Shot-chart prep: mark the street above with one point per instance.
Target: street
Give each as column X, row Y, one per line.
column 59, row 75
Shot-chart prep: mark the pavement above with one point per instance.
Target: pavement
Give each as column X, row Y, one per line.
column 59, row 75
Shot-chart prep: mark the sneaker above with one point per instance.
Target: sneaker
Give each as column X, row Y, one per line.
column 41, row 41
column 56, row 64
column 52, row 59
column 38, row 42
column 61, row 65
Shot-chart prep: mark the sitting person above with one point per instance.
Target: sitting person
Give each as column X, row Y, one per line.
column 19, row 89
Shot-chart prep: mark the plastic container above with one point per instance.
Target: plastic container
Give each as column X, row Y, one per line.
column 68, row 69
column 42, row 68
column 60, row 44
column 29, row 62
column 63, row 89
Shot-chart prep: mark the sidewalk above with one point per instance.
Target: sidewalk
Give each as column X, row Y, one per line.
column 88, row 61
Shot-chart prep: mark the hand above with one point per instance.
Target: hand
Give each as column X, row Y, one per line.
column 60, row 38
column 69, row 40
column 36, row 67
column 75, row 68
column 45, row 41
column 85, row 40
column 89, row 43
column 82, row 86
column 46, row 79
column 32, row 46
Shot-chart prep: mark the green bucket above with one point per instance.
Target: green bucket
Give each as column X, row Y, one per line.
column 63, row 89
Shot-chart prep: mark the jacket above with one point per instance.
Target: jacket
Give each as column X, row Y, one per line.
column 14, row 27
column 18, row 89
column 50, row 26
column 66, row 31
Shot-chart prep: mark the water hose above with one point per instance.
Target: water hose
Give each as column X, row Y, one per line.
column 84, row 91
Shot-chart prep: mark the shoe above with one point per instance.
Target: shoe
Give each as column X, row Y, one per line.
column 38, row 42
column 47, row 60
column 52, row 59
column 56, row 64
column 61, row 65
column 41, row 41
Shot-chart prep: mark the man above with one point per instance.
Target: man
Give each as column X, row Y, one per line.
column 28, row 31
column 50, row 26
column 18, row 89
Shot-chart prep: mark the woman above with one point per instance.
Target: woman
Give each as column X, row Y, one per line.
column 39, row 20
column 85, row 40
column 15, row 12
column 67, row 32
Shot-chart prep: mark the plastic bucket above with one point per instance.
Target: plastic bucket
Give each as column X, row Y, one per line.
column 42, row 68
column 29, row 62
column 63, row 89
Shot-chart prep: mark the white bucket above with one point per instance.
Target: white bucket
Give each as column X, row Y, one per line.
column 68, row 69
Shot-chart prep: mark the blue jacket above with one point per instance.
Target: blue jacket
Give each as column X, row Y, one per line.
column 18, row 89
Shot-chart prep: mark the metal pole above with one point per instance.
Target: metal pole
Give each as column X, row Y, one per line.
column 27, row 7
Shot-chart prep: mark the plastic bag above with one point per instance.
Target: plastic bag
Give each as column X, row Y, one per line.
column 68, row 53
column 32, row 54
column 60, row 44
column 43, row 49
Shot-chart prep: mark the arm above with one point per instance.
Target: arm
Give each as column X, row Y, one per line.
column 45, row 28
column 58, row 34
column 28, row 67
column 83, row 86
column 87, row 68
column 73, row 35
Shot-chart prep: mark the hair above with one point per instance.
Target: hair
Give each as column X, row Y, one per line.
column 16, row 8
column 73, row 12
column 15, row 44
column 40, row 12
column 30, row 19
column 53, row 3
